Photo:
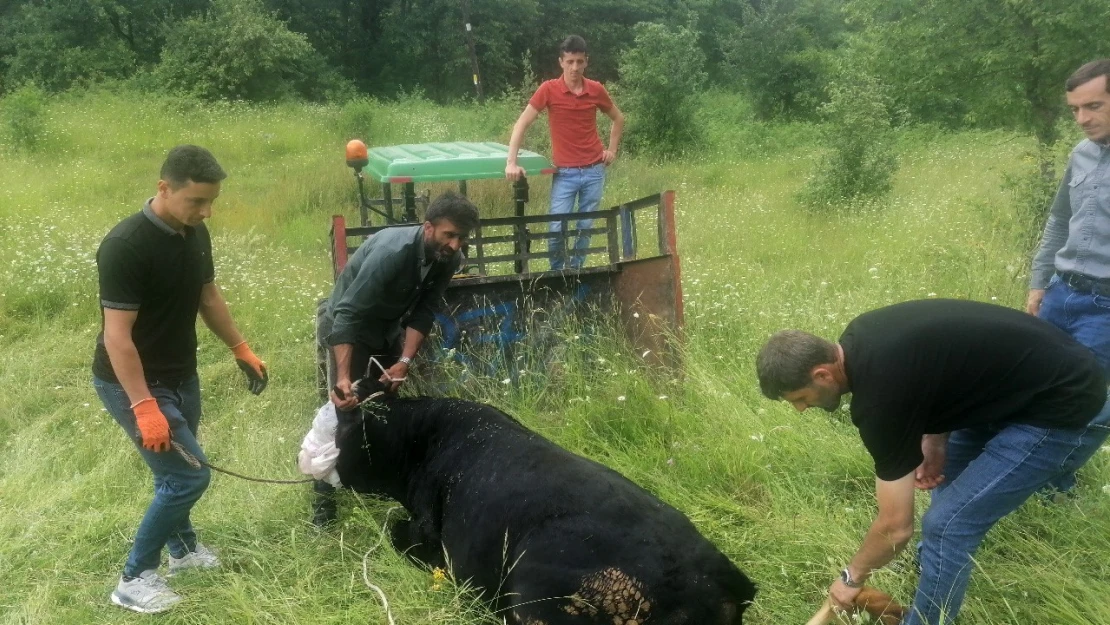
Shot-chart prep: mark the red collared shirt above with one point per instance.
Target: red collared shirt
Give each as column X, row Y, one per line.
column 573, row 120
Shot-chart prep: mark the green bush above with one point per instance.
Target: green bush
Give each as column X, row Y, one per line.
column 661, row 82
column 861, row 160
column 240, row 51
column 23, row 116
column 355, row 119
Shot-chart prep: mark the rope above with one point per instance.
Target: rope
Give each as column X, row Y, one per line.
column 364, row 404
column 196, row 463
column 366, row 567
column 385, row 371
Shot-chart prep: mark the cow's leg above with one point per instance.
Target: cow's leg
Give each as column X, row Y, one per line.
column 417, row 540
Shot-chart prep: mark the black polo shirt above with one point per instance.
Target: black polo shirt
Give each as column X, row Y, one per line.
column 935, row 366
column 147, row 266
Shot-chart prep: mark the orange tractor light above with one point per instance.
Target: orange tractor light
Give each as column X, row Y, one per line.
column 357, row 156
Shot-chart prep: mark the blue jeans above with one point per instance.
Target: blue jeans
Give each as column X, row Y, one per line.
column 177, row 486
column 569, row 183
column 990, row 471
column 1086, row 318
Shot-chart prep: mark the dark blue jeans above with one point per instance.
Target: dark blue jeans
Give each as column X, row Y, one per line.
column 177, row 486
column 1086, row 318
column 990, row 471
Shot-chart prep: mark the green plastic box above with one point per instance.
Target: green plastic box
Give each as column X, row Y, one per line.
column 438, row 162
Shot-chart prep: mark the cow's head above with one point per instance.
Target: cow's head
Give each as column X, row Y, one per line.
column 376, row 443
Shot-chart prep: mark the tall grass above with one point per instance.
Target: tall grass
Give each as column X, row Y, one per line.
column 786, row 496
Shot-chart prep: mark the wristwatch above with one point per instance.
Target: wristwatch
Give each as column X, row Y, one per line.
column 846, row 578
column 405, row 359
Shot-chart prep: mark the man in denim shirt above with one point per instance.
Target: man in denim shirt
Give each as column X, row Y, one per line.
column 1070, row 287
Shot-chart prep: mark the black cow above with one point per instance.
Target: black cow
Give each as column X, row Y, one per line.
column 549, row 537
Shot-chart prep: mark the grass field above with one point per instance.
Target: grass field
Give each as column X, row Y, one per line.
column 786, row 496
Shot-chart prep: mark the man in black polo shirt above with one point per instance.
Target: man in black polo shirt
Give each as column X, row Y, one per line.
column 156, row 274
column 982, row 404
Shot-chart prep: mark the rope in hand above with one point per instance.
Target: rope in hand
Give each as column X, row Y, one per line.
column 366, row 567
column 385, row 372
column 196, row 463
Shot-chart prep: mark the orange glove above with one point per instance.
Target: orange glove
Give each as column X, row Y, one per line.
column 154, row 430
column 253, row 368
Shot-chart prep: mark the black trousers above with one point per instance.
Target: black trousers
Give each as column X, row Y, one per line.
column 360, row 367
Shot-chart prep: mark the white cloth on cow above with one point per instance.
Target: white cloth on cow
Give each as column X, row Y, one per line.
column 319, row 454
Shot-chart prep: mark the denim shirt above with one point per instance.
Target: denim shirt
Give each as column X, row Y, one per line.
column 1077, row 235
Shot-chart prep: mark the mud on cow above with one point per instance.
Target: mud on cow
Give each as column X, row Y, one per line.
column 550, row 538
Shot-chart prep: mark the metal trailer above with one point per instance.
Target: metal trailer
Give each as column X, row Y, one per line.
column 633, row 271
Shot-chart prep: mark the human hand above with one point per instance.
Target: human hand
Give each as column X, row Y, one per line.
column 154, row 429
column 255, row 370
column 841, row 596
column 928, row 475
column 608, row 157
column 394, row 376
column 343, row 396
column 513, row 172
column 1033, row 302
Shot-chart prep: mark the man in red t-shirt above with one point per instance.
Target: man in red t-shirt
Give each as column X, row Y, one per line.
column 571, row 102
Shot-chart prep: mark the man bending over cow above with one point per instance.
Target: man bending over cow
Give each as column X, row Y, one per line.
column 396, row 279
column 982, row 404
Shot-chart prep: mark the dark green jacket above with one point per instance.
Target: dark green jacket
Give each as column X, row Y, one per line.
column 380, row 289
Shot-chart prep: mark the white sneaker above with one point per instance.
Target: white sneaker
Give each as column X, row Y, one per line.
column 200, row 558
column 147, row 593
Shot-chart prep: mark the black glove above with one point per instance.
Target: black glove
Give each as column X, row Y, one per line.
column 255, row 383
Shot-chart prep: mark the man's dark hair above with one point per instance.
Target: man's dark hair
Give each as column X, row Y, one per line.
column 1089, row 72
column 454, row 208
column 191, row 163
column 572, row 45
column 787, row 360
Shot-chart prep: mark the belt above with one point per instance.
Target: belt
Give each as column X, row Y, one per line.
column 1086, row 284
column 584, row 166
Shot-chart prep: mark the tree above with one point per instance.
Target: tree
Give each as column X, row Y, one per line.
column 780, row 50
column 238, row 50
column 661, row 80
column 60, row 44
column 56, row 45
column 982, row 62
column 392, row 46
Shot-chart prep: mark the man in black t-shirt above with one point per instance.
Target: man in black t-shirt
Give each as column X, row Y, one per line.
column 156, row 274
column 982, row 404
